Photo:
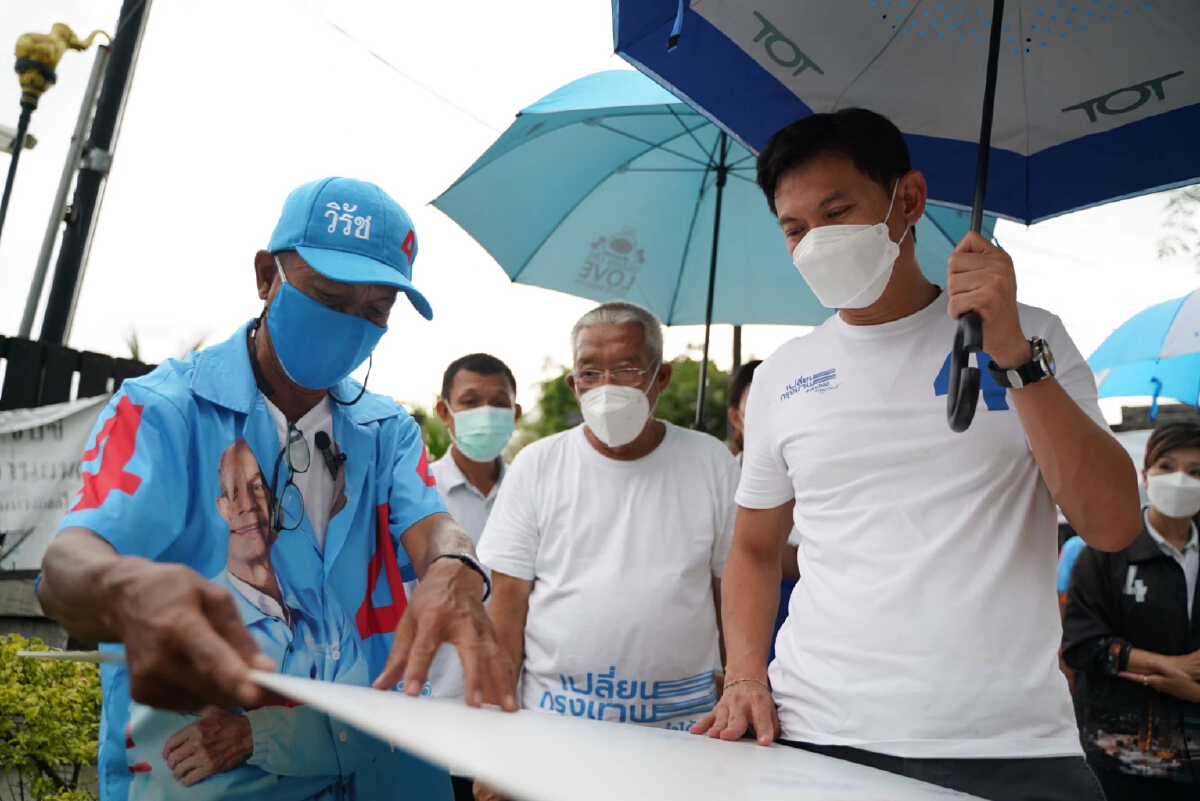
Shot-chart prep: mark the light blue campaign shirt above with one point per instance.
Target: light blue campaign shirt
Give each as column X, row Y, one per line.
column 298, row 753
column 150, row 485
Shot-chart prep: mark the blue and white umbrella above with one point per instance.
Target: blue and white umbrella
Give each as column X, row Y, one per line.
column 611, row 188
column 1156, row 352
column 1095, row 99
column 1082, row 101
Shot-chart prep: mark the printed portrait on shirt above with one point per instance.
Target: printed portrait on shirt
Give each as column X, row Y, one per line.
column 275, row 751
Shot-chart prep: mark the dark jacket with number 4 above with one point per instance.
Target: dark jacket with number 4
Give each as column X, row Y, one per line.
column 1133, row 598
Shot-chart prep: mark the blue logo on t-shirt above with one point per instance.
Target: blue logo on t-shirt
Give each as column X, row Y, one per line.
column 820, row 382
column 993, row 393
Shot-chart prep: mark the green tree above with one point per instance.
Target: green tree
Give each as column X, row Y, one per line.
column 1183, row 233
column 558, row 409
column 135, row 346
column 49, row 722
column 433, row 431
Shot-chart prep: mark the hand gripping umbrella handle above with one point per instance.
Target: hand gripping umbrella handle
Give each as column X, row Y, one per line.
column 964, row 379
column 968, row 339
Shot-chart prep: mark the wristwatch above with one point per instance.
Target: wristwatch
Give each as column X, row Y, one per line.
column 1039, row 367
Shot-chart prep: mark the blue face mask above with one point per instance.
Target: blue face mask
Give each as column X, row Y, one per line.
column 483, row 433
column 317, row 346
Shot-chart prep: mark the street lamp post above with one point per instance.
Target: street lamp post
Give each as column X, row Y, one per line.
column 37, row 56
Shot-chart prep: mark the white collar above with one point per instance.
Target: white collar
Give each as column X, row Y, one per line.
column 260, row 600
column 453, row 476
column 1193, row 543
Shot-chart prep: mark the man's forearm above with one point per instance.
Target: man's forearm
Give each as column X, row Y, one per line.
column 1090, row 476
column 73, row 589
column 749, row 601
column 436, row 535
column 507, row 611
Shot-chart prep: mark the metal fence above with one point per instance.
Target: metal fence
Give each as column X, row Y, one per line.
column 40, row 373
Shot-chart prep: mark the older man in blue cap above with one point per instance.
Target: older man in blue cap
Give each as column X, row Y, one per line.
column 262, row 453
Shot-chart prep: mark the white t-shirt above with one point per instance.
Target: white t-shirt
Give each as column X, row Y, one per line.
column 317, row 485
column 621, row 623
column 926, row 625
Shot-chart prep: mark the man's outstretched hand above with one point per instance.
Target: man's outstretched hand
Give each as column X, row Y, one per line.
column 447, row 606
column 185, row 643
column 743, row 706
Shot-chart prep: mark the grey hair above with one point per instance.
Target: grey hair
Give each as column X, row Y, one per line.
column 619, row 312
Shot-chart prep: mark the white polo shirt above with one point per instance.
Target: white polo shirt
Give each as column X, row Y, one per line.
column 467, row 505
column 926, row 625
column 470, row 509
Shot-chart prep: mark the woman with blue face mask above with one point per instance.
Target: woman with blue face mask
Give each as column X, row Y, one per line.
column 1132, row 632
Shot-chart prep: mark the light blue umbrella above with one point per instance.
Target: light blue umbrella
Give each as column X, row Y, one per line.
column 611, row 188
column 1156, row 352
column 1030, row 108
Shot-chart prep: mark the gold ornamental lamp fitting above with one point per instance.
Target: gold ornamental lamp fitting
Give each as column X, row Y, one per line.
column 39, row 53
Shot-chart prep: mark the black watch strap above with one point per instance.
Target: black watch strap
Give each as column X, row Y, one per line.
column 1031, row 372
column 472, row 563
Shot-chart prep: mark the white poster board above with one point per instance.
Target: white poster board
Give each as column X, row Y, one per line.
column 39, row 475
column 537, row 756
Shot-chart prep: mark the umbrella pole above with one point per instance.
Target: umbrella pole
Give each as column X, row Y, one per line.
column 737, row 349
column 963, row 392
column 722, row 173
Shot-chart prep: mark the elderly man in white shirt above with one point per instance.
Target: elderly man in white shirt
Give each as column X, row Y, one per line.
column 608, row 542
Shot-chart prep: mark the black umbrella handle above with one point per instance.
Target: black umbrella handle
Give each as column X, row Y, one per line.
column 968, row 339
column 963, row 391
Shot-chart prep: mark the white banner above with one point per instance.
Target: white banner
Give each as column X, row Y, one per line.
column 537, row 756
column 39, row 475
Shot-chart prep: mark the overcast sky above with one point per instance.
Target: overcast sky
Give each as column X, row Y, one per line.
column 236, row 103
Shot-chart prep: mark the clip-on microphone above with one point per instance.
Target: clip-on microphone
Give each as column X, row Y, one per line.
column 332, row 461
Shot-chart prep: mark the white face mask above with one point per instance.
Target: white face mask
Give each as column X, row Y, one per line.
column 848, row 266
column 615, row 414
column 1174, row 494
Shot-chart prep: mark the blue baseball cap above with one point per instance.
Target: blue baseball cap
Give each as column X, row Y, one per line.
column 351, row 231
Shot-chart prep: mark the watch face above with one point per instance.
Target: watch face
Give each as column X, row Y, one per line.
column 1042, row 353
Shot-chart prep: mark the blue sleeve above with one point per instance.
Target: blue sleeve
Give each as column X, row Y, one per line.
column 413, row 496
column 293, row 741
column 135, row 472
column 1066, row 561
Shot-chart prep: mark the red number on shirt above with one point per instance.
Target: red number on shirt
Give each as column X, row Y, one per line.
column 423, row 469
column 382, row 619
column 118, row 436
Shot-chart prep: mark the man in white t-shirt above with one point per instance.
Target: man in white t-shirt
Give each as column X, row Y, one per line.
column 923, row 637
column 608, row 541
